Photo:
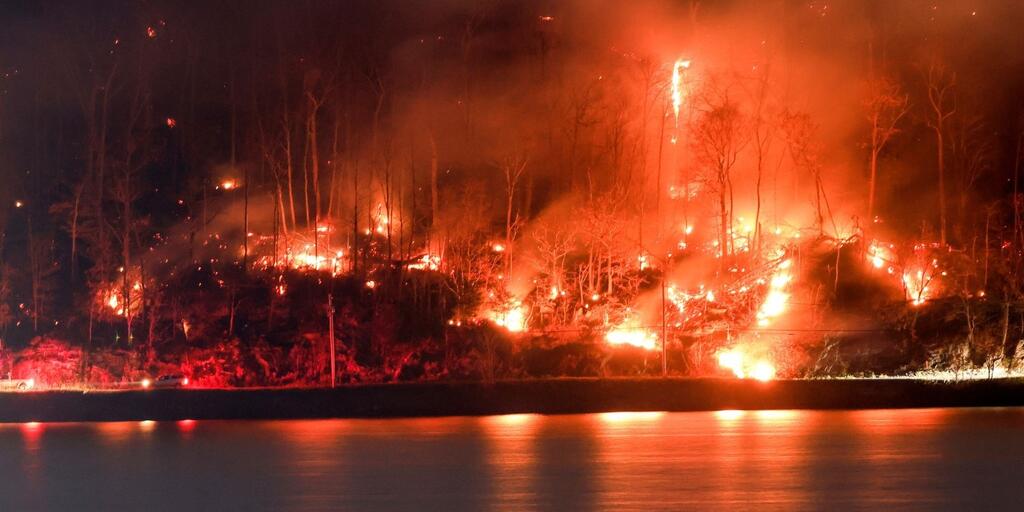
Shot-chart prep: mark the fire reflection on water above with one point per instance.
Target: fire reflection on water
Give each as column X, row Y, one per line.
column 615, row 461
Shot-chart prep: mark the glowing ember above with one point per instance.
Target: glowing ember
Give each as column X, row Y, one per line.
column 426, row 262
column 229, row 184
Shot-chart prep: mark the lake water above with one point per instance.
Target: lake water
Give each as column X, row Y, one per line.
column 954, row 459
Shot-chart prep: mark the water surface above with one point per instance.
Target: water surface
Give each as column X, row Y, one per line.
column 953, row 459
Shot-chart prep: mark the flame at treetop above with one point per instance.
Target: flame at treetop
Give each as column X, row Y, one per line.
column 677, row 87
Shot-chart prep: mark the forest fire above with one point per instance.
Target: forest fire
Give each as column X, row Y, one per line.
column 473, row 206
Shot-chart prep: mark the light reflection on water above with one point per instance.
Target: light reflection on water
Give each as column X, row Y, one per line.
column 785, row 460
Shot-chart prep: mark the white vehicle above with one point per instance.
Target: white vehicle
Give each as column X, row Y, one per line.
column 165, row 381
column 17, row 384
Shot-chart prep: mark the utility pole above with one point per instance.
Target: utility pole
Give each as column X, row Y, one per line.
column 330, row 324
column 245, row 222
column 664, row 332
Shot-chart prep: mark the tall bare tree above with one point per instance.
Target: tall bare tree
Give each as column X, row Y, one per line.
column 885, row 105
column 941, row 86
column 718, row 136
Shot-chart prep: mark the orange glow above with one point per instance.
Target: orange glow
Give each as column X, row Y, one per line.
column 113, row 298
column 678, row 69
column 515, row 420
column 512, row 318
column 743, row 366
column 426, row 262
column 630, row 416
column 631, row 334
column 729, row 415
column 775, row 303
column 763, row 371
column 918, row 284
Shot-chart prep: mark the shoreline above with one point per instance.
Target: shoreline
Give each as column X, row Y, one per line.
column 551, row 396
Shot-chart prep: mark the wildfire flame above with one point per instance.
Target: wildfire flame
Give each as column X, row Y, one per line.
column 427, row 262
column 742, row 366
column 775, row 302
column 678, row 69
column 631, row 333
column 512, row 317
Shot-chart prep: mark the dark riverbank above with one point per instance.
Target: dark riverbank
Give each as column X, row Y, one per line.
column 536, row 396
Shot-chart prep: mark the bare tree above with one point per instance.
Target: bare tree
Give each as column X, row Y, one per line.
column 717, row 138
column 553, row 244
column 512, row 166
column 885, row 105
column 804, row 149
column 42, row 271
column 942, row 102
column 972, row 154
column 763, row 132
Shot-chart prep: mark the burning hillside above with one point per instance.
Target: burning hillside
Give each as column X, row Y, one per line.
column 515, row 189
